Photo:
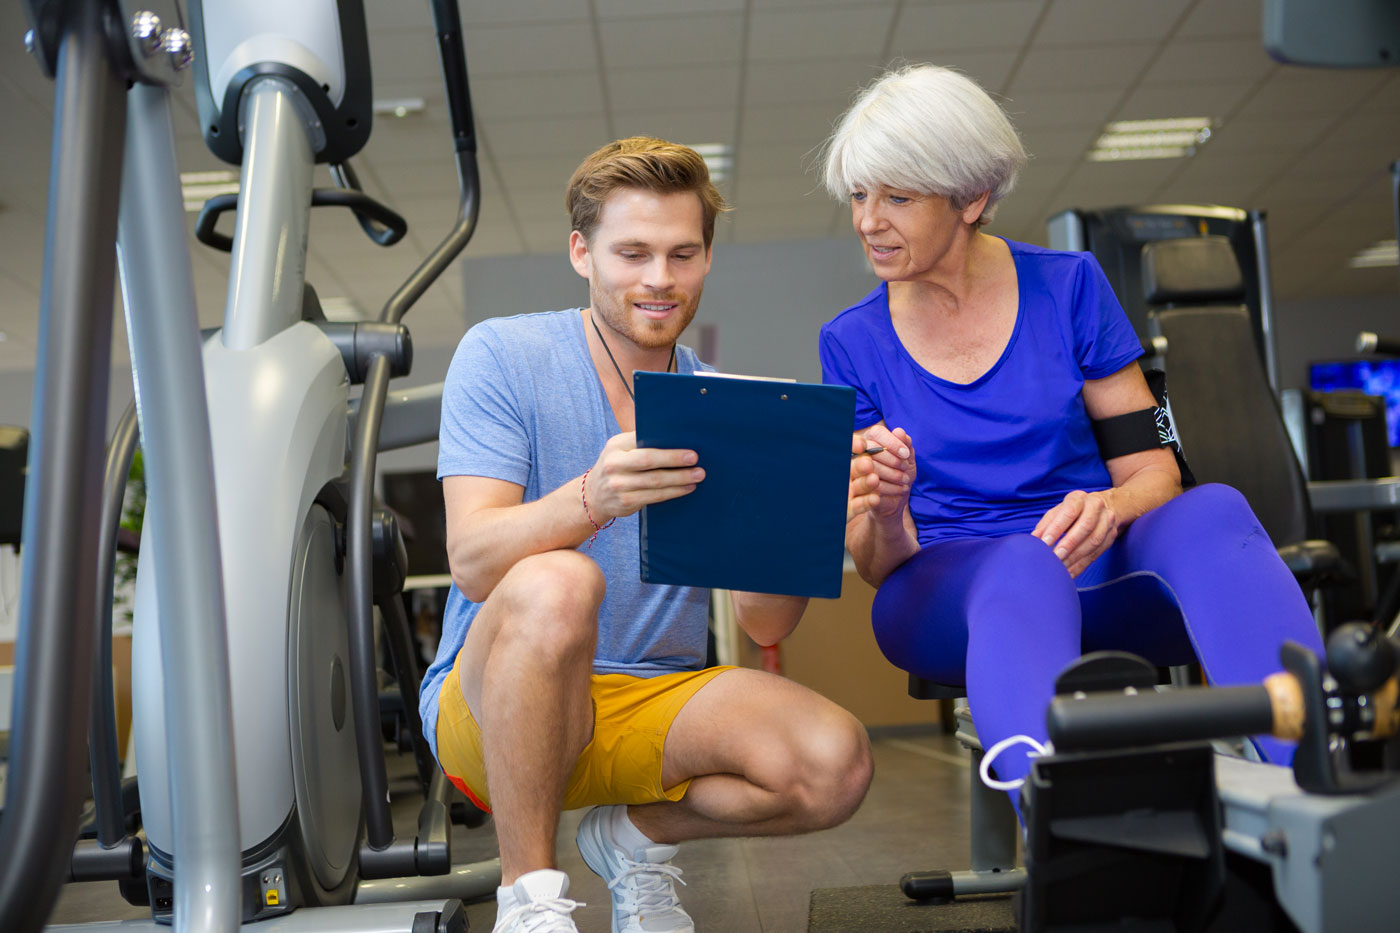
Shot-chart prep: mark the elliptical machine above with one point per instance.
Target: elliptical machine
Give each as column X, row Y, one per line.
column 256, row 704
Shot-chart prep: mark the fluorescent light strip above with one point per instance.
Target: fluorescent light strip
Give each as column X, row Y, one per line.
column 1171, row 138
column 399, row 106
column 719, row 158
column 198, row 187
column 1128, row 155
column 1158, row 126
column 1384, row 253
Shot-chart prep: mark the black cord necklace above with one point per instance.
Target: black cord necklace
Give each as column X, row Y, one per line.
column 606, row 349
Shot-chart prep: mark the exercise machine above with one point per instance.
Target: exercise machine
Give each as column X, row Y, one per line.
column 1134, row 818
column 262, row 780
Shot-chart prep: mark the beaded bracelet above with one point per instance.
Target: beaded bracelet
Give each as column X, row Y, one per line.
column 583, row 493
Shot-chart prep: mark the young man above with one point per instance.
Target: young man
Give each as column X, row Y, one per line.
column 561, row 680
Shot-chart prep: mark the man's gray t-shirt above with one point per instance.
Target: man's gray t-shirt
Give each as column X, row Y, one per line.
column 522, row 403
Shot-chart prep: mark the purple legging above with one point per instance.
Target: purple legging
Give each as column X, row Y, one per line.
column 1196, row 578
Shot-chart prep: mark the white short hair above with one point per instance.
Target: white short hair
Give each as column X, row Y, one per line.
column 928, row 129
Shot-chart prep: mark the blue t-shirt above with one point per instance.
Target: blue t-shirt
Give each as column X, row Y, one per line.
column 995, row 454
column 522, row 403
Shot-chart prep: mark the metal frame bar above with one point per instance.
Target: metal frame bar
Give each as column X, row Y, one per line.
column 54, row 653
column 167, row 367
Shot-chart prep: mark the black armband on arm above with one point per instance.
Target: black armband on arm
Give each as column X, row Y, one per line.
column 1145, row 429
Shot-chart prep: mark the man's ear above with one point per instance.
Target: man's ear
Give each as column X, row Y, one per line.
column 580, row 256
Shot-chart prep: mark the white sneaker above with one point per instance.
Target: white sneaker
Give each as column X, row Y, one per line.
column 540, row 905
column 643, row 886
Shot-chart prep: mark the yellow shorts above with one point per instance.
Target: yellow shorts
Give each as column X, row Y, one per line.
column 622, row 763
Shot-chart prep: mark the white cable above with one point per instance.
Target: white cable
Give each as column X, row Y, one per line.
column 9, row 586
column 985, row 769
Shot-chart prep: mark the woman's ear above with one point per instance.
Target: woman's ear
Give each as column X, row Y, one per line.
column 973, row 212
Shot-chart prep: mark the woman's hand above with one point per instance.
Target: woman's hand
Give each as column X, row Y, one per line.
column 1080, row 528
column 880, row 483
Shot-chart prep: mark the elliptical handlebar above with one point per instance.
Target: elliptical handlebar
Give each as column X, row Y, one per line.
column 381, row 855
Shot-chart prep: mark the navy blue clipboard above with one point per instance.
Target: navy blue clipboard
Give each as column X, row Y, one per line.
column 770, row 515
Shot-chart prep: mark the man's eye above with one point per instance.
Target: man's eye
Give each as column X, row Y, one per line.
column 857, row 196
column 899, row 199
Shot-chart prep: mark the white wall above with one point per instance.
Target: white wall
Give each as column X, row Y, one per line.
column 1326, row 328
column 767, row 302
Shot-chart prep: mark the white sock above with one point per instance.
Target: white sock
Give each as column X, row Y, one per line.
column 505, row 900
column 625, row 833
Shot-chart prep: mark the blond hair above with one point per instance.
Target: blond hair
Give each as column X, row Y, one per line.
column 640, row 162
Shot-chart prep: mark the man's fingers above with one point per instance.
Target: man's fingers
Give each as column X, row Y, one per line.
column 654, row 458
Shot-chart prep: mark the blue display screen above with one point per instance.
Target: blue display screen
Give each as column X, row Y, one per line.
column 1377, row 376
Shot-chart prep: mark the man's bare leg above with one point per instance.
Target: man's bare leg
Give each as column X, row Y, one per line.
column 525, row 670
column 765, row 757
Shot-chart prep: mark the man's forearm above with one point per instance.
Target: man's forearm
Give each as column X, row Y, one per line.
column 768, row 618
column 484, row 546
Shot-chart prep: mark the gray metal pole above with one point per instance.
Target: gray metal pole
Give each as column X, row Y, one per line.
column 1266, row 297
column 63, row 495
column 163, row 330
column 267, row 270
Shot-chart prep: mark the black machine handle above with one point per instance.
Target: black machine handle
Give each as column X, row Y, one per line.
column 1117, row 720
column 383, row 225
column 454, row 74
column 381, row 853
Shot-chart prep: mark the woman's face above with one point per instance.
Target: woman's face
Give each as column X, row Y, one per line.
column 905, row 233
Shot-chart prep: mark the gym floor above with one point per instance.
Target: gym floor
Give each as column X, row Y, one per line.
column 914, row 818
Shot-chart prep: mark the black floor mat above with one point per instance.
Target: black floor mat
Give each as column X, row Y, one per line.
column 883, row 908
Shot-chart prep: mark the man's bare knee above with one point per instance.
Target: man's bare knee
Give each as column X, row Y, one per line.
column 832, row 772
column 550, row 602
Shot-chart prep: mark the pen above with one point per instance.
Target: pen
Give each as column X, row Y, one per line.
column 869, row 452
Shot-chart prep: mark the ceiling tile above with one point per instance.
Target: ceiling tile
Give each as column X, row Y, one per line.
column 662, row 41
column 690, row 127
column 1210, row 61
column 801, row 124
column 817, row 34
column 684, row 87
column 1076, row 22
column 790, row 190
column 990, row 24
column 583, row 133
column 407, row 55
column 542, row 170
column 772, row 158
column 1048, row 143
column 543, row 203
column 493, row 50
column 833, row 82
column 1042, row 176
column 1182, row 100
column 989, row 68
column 548, row 237
column 417, row 178
column 1072, row 69
column 613, row 9
column 1289, row 91
column 1032, row 107
column 1223, row 18
column 498, row 12
column 532, row 96
column 1286, row 134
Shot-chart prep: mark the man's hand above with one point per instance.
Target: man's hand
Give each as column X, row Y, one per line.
column 880, row 482
column 625, row 477
column 1079, row 529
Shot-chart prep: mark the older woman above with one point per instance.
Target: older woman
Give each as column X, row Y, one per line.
column 1002, row 541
